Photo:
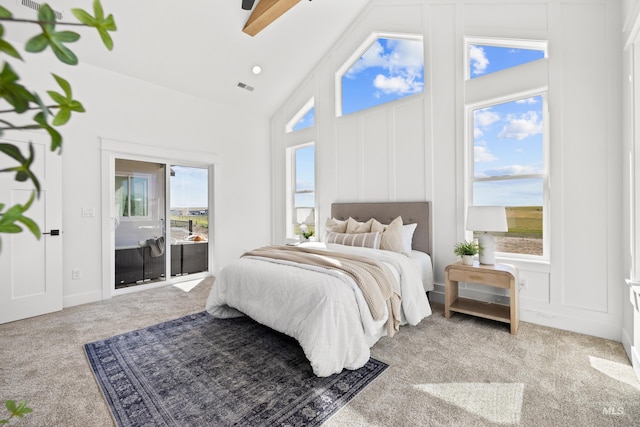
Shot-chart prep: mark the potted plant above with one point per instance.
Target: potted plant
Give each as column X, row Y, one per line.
column 467, row 250
column 305, row 233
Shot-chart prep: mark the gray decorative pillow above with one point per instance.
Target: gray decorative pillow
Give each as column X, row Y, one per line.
column 363, row 240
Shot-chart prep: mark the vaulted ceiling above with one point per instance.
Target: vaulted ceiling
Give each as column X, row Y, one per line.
column 198, row 46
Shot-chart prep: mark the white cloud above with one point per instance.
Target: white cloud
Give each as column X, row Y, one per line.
column 482, row 155
column 485, row 117
column 532, row 100
column 478, row 59
column 397, row 84
column 522, row 126
column 403, row 61
column 477, row 133
column 512, row 170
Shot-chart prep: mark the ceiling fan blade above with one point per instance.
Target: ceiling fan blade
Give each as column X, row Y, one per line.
column 247, row 4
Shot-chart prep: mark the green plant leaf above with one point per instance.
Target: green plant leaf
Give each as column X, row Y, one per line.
column 23, row 171
column 63, row 53
column 6, row 47
column 37, row 43
column 84, row 17
column 56, row 138
column 33, row 227
column 67, row 36
column 66, row 87
column 62, row 117
column 4, row 13
column 50, row 37
column 10, row 405
column 12, row 91
column 66, row 103
column 47, row 17
column 99, row 22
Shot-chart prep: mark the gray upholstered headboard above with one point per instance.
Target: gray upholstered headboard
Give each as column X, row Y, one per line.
column 385, row 212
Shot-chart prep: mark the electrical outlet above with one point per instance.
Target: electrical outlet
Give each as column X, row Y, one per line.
column 523, row 283
column 75, row 274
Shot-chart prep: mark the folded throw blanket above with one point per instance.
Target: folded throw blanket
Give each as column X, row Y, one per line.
column 156, row 246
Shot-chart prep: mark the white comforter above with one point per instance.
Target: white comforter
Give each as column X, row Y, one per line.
column 325, row 311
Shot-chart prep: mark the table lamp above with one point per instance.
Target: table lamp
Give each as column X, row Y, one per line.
column 304, row 218
column 487, row 219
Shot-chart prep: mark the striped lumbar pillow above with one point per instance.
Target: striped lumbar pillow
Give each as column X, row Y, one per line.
column 363, row 240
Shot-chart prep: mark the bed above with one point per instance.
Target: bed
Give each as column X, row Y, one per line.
column 324, row 309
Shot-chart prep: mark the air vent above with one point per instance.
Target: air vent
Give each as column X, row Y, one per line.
column 245, row 86
column 36, row 6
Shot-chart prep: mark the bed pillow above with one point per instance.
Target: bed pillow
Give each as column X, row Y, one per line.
column 407, row 234
column 354, row 226
column 336, row 226
column 363, row 240
column 407, row 237
column 392, row 235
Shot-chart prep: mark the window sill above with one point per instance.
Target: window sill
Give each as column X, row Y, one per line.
column 539, row 265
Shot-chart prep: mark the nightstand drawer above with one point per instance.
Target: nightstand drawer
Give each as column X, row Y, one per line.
column 485, row 277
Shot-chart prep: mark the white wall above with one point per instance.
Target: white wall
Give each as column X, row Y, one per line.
column 126, row 109
column 412, row 149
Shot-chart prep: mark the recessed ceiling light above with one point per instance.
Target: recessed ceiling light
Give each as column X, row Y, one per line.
column 256, row 69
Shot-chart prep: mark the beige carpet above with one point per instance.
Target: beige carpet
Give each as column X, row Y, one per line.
column 458, row 372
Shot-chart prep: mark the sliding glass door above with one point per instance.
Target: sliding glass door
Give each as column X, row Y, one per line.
column 189, row 219
column 140, row 222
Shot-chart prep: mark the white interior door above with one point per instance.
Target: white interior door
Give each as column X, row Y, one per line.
column 31, row 269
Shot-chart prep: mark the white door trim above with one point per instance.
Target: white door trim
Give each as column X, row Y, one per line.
column 112, row 149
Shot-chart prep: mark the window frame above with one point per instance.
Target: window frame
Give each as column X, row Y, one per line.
column 292, row 190
column 150, row 189
column 542, row 45
column 291, row 124
column 498, row 90
column 357, row 54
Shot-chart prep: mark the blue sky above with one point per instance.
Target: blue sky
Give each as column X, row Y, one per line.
column 508, row 137
column 390, row 69
column 189, row 187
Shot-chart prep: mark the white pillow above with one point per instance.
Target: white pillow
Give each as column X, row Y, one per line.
column 407, row 237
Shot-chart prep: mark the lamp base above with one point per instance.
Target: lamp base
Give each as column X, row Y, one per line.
column 488, row 251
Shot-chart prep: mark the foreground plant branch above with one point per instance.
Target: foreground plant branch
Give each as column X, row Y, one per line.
column 23, row 100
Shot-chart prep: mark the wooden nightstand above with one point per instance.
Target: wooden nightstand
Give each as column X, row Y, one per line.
column 499, row 275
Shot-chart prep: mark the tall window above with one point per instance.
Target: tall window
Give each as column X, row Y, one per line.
column 302, row 195
column 508, row 145
column 508, row 169
column 382, row 70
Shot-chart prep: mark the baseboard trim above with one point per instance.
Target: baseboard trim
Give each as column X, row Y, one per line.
column 554, row 319
column 83, row 298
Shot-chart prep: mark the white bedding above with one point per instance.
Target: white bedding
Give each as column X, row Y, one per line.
column 325, row 311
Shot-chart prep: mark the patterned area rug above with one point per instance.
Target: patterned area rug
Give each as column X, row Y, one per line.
column 198, row 370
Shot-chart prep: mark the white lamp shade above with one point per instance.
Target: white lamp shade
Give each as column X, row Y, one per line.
column 305, row 216
column 487, row 218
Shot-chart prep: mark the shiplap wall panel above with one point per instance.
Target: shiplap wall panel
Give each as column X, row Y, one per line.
column 584, row 228
column 506, row 15
column 408, row 148
column 348, row 159
column 376, row 175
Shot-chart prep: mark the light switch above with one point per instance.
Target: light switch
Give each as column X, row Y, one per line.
column 88, row 212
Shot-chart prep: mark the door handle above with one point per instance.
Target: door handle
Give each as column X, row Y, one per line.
column 53, row 232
